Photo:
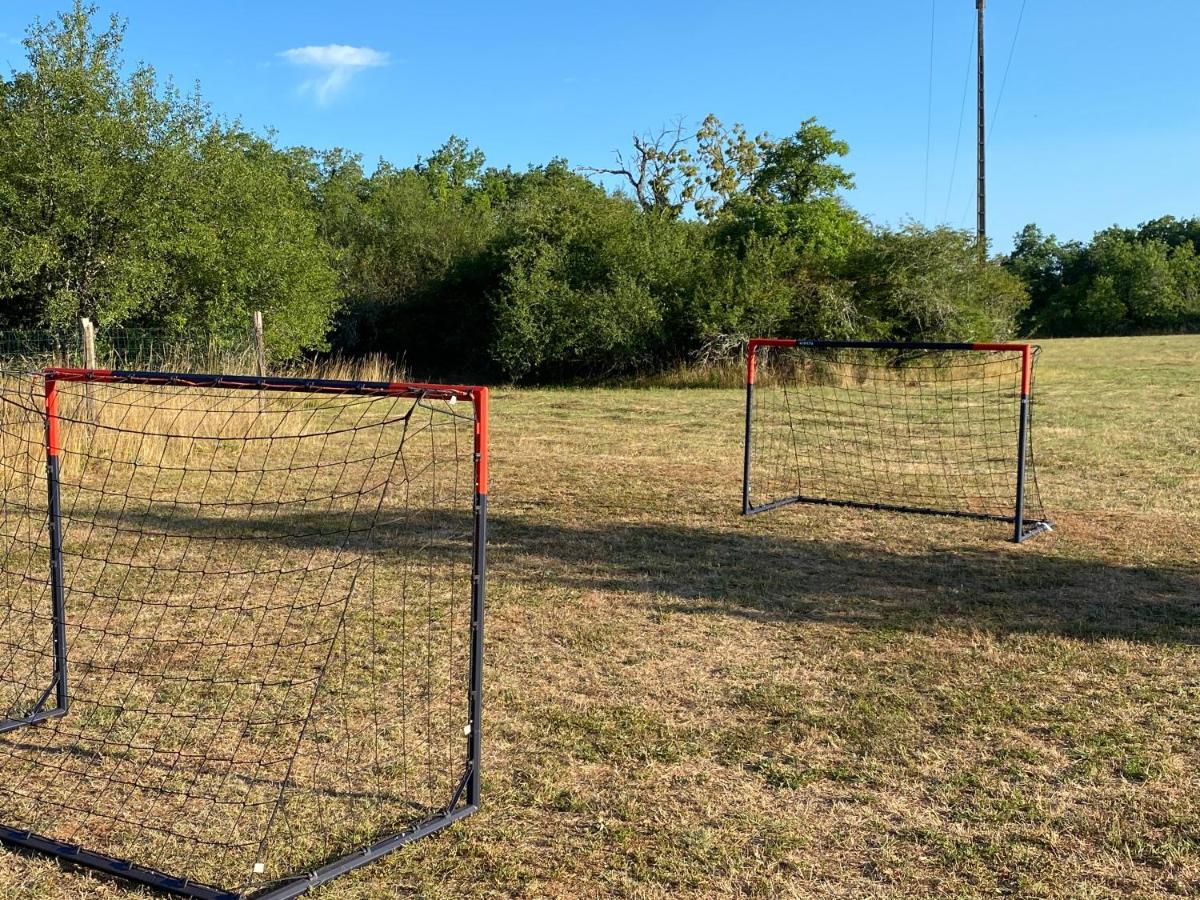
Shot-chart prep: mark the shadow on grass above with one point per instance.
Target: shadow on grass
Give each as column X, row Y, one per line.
column 746, row 572
column 743, row 571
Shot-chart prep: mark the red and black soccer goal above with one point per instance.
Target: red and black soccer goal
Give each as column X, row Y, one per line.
column 241, row 623
column 937, row 428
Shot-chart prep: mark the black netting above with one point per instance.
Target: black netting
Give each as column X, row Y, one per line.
column 268, row 622
column 924, row 430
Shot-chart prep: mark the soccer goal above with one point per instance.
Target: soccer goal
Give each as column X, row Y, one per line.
column 938, row 428
column 241, row 623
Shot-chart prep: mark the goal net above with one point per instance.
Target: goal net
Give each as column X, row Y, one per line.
column 936, row 428
column 240, row 623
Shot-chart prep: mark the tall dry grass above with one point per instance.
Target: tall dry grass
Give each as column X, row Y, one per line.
column 122, row 420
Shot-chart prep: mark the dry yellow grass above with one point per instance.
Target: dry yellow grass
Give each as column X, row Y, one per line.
column 822, row 702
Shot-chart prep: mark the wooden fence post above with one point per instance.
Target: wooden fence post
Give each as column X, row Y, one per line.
column 260, row 347
column 87, row 331
column 260, row 355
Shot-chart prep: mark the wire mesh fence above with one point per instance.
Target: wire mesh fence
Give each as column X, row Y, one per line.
column 127, row 348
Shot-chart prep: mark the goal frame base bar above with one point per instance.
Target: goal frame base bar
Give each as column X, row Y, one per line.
column 469, row 790
column 1023, row 528
column 74, row 855
column 1030, row 527
column 7, row 725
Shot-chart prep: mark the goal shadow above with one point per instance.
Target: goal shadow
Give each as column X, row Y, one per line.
column 745, row 572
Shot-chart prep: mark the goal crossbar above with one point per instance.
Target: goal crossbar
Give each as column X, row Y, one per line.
column 895, row 354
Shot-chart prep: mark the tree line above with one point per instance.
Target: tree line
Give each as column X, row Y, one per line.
column 1125, row 281
column 127, row 201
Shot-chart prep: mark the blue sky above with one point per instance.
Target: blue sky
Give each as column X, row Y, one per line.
column 1098, row 123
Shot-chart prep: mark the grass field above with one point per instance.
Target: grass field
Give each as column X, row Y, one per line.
column 823, row 702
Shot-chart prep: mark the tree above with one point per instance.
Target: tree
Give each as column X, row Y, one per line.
column 406, row 241
column 730, row 159
column 1140, row 271
column 580, row 289
column 83, row 196
column 244, row 238
column 1101, row 310
column 1044, row 265
column 786, row 189
column 798, row 168
column 1172, row 232
column 660, row 170
column 673, row 168
column 130, row 204
column 452, row 169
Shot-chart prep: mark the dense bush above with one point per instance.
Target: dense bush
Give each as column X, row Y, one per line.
column 917, row 283
column 1125, row 281
column 578, row 291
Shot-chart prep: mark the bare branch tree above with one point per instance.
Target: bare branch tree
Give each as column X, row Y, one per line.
column 676, row 166
column 661, row 169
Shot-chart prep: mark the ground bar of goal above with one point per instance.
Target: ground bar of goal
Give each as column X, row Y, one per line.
column 349, row 863
column 13, row 724
column 891, row 507
column 181, row 887
column 75, row 855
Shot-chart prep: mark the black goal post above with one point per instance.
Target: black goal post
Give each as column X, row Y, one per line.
column 923, row 427
column 241, row 623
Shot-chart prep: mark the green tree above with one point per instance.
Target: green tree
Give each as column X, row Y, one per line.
column 789, row 193
column 453, row 170
column 799, row 168
column 243, row 237
column 408, row 242
column 1172, row 232
column 729, row 159
column 672, row 168
column 84, row 197
column 780, row 233
column 1185, row 268
column 1140, row 271
column 1124, row 280
column 130, row 204
column 1043, row 264
column 1101, row 310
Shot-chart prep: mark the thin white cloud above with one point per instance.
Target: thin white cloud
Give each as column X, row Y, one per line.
column 335, row 65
